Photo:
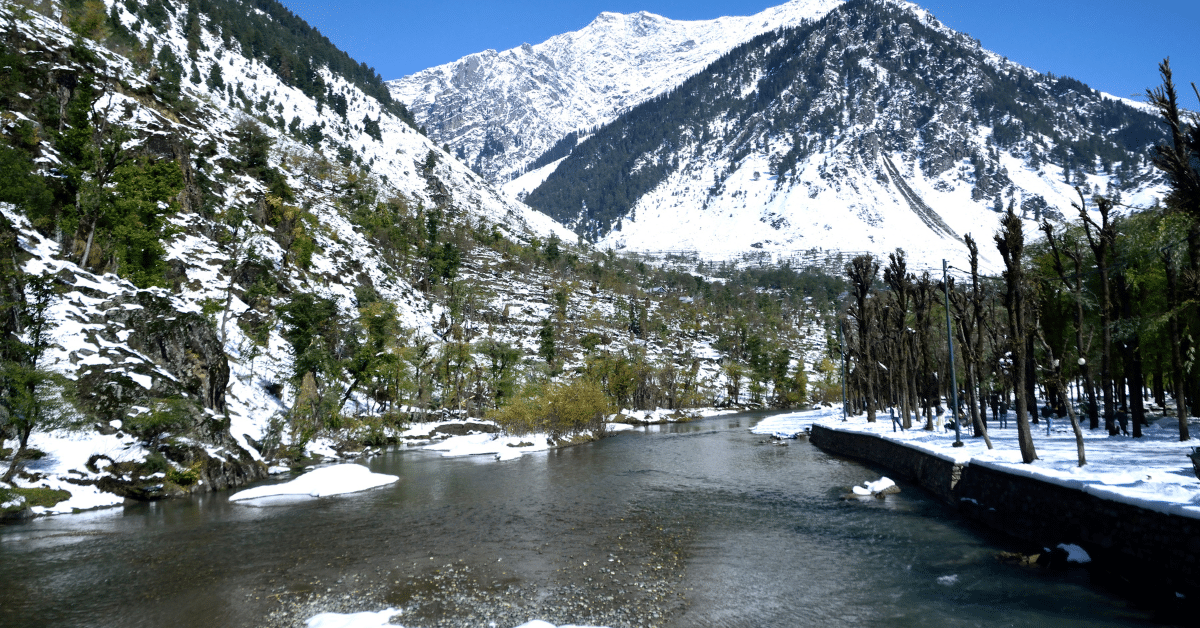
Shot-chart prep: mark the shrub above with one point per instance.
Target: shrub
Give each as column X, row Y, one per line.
column 185, row 477
column 167, row 417
column 559, row 409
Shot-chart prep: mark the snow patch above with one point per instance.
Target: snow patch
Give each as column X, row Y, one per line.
column 323, row 482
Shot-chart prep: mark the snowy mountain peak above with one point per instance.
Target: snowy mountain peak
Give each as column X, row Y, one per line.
column 872, row 128
column 499, row 111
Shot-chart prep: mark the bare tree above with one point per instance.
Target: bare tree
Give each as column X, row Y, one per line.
column 1101, row 238
column 862, row 271
column 1074, row 283
column 968, row 312
column 1011, row 244
column 898, row 279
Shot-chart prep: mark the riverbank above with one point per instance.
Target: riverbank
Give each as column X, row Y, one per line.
column 64, row 484
column 1135, row 506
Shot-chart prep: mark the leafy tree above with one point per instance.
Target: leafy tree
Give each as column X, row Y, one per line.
column 215, row 81
column 501, row 359
column 312, row 329
column 546, row 345
column 144, row 196
column 371, row 128
column 24, row 302
column 20, row 185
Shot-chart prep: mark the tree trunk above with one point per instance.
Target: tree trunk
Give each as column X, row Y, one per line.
column 87, row 249
column 976, row 415
column 1177, row 379
column 1011, row 243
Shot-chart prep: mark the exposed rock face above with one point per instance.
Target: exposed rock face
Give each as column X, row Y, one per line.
column 153, row 351
column 203, row 472
column 150, row 353
column 234, row 468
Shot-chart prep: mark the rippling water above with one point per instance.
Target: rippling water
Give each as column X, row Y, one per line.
column 759, row 529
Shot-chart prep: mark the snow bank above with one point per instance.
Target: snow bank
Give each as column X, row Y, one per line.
column 1151, row 472
column 791, row 424
column 335, row 480
column 502, row 447
column 352, row 620
column 1075, row 554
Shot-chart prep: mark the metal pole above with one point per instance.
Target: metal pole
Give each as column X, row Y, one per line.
column 842, row 350
column 953, row 380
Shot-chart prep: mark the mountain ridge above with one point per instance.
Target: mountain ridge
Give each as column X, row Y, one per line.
column 500, row 110
column 858, row 131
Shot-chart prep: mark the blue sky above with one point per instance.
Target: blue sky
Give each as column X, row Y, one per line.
column 1112, row 45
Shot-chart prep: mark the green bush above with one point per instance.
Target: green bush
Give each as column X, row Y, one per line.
column 185, row 477
column 559, row 409
column 41, row 496
column 165, row 418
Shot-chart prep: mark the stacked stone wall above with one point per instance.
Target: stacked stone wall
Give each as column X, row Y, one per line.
column 1124, row 536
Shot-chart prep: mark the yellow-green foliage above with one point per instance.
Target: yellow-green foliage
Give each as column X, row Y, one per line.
column 560, row 408
column 828, row 388
column 184, row 477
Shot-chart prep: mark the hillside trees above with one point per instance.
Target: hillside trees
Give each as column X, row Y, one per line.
column 1115, row 284
column 117, row 198
column 25, row 332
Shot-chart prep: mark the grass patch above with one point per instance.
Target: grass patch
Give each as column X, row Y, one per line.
column 33, row 497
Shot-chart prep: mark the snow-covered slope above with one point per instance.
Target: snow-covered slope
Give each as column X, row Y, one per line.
column 872, row 128
column 500, row 110
column 269, row 265
column 192, row 338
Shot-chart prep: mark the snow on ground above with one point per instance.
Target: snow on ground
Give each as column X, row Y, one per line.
column 1075, row 554
column 352, row 620
column 67, row 453
column 1152, row 472
column 322, row 482
column 502, row 447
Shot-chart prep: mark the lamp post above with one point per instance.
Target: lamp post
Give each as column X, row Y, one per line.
column 953, row 380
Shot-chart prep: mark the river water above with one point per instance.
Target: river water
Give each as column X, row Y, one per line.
column 699, row 524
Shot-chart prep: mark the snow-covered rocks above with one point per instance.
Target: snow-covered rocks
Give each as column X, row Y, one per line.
column 322, row 482
column 879, row 488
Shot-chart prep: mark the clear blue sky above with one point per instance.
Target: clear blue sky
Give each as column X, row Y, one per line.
column 1112, row 45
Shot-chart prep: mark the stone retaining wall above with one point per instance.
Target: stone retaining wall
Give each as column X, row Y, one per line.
column 1037, row 511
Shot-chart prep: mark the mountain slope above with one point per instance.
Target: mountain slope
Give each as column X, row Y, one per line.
column 161, row 216
column 210, row 263
column 499, row 111
column 872, row 128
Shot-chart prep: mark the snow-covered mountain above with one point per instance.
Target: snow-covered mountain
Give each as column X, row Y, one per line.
column 499, row 111
column 274, row 185
column 871, row 128
column 223, row 246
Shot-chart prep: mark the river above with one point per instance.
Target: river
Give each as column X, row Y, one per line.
column 698, row 524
